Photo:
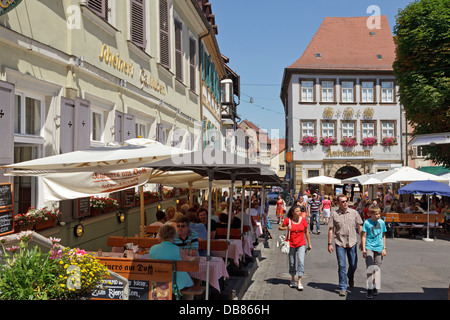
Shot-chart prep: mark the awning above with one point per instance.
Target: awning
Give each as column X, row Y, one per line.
column 427, row 139
column 436, row 170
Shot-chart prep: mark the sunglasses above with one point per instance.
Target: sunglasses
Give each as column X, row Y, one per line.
column 344, row 201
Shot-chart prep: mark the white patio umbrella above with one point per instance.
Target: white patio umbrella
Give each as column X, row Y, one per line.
column 408, row 174
column 323, row 180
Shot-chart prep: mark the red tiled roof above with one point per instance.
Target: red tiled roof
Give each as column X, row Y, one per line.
column 346, row 44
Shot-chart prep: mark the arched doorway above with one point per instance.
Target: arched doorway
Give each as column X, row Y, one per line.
column 345, row 173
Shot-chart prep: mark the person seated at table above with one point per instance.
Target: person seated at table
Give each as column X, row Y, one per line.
column 170, row 212
column 160, row 219
column 396, row 208
column 167, row 250
column 196, row 226
column 223, row 207
column 186, row 239
column 175, row 218
column 388, row 207
column 202, row 215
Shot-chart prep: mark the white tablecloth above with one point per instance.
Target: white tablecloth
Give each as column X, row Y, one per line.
column 247, row 245
column 235, row 251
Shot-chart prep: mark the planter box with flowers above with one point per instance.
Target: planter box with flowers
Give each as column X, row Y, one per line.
column 369, row 141
column 389, row 141
column 348, row 142
column 328, row 141
column 168, row 193
column 149, row 197
column 97, row 206
column 111, row 205
column 37, row 219
column 309, row 141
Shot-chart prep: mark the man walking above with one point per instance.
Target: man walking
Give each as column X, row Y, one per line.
column 314, row 207
column 343, row 224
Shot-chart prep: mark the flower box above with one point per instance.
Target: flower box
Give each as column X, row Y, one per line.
column 328, row 141
column 309, row 141
column 390, row 141
column 348, row 142
column 369, row 141
column 45, row 224
column 37, row 219
column 96, row 212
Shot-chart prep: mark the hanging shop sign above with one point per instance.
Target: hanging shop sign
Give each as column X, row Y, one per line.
column 8, row 5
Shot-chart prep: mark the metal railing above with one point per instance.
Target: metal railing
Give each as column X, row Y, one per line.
column 45, row 242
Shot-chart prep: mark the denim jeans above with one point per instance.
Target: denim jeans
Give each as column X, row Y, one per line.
column 352, row 256
column 315, row 218
column 299, row 255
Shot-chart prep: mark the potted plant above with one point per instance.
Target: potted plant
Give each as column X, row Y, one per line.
column 97, row 206
column 369, row 141
column 38, row 219
column 348, row 142
column 389, row 141
column 111, row 205
column 309, row 141
column 30, row 274
column 328, row 141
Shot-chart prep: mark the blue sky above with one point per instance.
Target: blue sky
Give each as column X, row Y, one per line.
column 263, row 37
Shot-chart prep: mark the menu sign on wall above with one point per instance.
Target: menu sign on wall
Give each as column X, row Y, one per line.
column 6, row 209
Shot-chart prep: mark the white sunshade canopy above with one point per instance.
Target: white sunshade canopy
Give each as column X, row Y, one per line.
column 323, row 180
column 132, row 154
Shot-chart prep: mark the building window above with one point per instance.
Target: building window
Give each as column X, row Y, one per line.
column 178, row 50
column 328, row 129
column 307, row 91
column 368, row 129
column 99, row 7
column 28, row 117
column 308, row 128
column 327, row 91
column 348, row 129
column 97, row 122
column 387, row 129
column 347, row 91
column 387, row 91
column 137, row 23
column 367, row 92
column 281, row 167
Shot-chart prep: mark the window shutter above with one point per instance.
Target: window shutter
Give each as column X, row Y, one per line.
column 67, row 126
column 7, row 92
column 129, row 127
column 99, row 7
column 118, row 127
column 192, row 59
column 179, row 50
column 82, row 124
column 137, row 20
column 164, row 33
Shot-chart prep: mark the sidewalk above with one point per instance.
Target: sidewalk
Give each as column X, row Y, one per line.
column 412, row 270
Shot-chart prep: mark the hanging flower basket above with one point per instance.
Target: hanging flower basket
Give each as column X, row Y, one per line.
column 348, row 142
column 309, row 141
column 328, row 141
column 389, row 141
column 369, row 141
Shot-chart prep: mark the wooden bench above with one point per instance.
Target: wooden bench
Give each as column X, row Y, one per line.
column 413, row 218
column 221, row 233
column 151, row 231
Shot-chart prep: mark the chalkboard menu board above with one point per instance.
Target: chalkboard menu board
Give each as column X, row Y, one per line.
column 128, row 198
column 6, row 221
column 113, row 289
column 84, row 207
column 6, row 195
column 6, row 209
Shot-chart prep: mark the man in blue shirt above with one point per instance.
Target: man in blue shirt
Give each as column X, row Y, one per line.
column 186, row 238
column 373, row 240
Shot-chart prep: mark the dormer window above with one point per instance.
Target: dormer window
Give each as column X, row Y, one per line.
column 318, row 55
column 379, row 57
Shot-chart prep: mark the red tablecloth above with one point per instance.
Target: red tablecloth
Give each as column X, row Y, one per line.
column 217, row 270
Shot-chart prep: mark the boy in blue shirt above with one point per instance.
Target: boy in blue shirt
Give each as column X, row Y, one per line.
column 373, row 240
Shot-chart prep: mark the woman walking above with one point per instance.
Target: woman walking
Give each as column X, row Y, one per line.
column 297, row 227
column 280, row 209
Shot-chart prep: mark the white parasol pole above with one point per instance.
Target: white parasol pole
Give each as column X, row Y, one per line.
column 428, row 221
column 208, row 240
column 230, row 198
column 242, row 205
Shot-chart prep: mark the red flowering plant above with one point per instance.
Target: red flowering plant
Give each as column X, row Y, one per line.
column 390, row 141
column 328, row 141
column 309, row 141
column 34, row 216
column 369, row 141
column 348, row 142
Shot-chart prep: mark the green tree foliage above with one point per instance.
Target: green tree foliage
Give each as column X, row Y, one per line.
column 422, row 69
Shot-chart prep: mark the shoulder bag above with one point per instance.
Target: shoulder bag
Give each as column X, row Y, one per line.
column 285, row 241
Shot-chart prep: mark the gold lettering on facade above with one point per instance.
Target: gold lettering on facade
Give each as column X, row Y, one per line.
column 149, row 81
column 116, row 62
column 339, row 153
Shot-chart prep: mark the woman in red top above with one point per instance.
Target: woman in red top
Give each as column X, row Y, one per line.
column 297, row 230
column 281, row 208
